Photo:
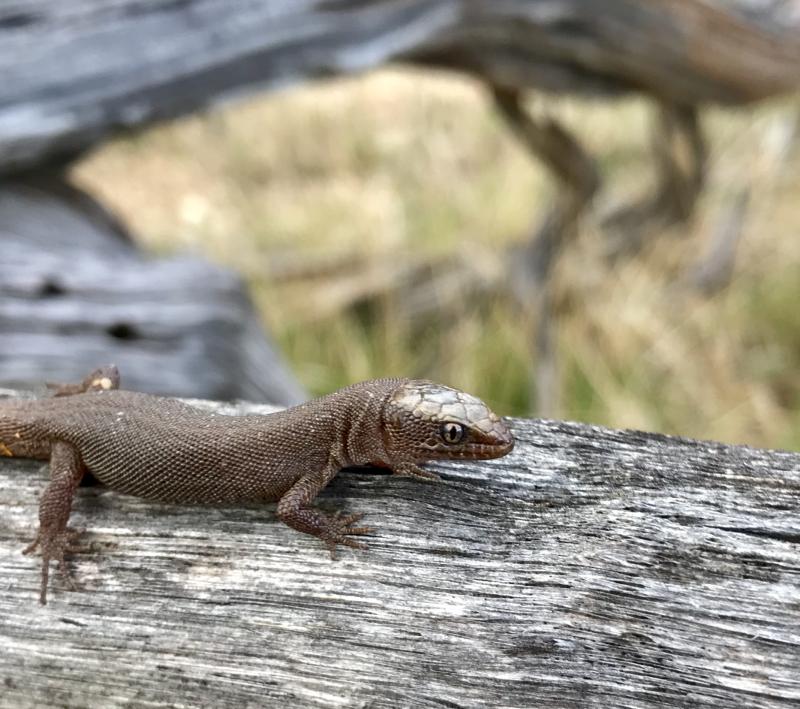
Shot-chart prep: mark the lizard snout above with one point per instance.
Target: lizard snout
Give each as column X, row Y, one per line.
column 497, row 441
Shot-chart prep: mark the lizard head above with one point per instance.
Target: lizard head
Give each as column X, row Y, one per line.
column 427, row 421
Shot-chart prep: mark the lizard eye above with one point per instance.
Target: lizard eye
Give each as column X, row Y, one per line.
column 452, row 432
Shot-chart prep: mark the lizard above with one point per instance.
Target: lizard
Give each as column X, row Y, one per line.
column 167, row 450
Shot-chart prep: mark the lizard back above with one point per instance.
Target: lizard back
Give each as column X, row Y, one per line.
column 160, row 448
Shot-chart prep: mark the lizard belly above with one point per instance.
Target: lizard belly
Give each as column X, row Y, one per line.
column 179, row 469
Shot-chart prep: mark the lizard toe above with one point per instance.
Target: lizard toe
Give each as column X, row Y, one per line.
column 55, row 547
column 340, row 531
column 34, row 545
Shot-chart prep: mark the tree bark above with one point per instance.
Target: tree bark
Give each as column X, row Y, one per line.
column 589, row 568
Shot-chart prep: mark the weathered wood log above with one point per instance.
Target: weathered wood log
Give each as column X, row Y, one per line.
column 74, row 73
column 590, row 568
column 75, row 293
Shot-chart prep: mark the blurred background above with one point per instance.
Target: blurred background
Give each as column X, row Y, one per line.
column 570, row 213
column 334, row 197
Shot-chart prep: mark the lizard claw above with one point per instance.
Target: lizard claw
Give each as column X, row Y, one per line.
column 338, row 531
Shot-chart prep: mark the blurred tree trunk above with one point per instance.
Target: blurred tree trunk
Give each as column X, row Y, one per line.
column 76, row 293
column 75, row 73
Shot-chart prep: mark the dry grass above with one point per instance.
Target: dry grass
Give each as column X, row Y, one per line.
column 399, row 167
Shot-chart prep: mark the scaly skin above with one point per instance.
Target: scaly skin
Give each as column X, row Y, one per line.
column 163, row 449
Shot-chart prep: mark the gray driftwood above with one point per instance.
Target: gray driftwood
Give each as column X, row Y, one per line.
column 76, row 293
column 76, row 72
column 590, row 568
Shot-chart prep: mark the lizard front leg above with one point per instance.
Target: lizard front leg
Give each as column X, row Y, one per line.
column 294, row 510
column 412, row 470
column 53, row 537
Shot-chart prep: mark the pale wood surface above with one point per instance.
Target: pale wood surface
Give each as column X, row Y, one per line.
column 590, row 568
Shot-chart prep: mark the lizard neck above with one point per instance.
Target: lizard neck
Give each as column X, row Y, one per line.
column 361, row 439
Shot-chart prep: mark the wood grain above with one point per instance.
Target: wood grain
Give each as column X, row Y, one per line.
column 76, row 72
column 589, row 568
column 76, row 293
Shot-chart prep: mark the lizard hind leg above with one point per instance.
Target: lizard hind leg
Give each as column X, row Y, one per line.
column 53, row 538
column 101, row 379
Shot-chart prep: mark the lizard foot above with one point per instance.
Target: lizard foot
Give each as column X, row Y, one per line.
column 412, row 470
column 338, row 530
column 54, row 547
column 101, row 379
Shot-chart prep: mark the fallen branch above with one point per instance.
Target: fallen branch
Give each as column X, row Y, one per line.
column 588, row 568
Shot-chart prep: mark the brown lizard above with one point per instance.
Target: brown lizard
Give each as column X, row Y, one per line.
column 163, row 449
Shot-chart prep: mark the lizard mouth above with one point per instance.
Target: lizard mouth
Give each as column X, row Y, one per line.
column 494, row 443
column 483, row 451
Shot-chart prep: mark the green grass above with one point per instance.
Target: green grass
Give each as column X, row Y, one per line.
column 398, row 168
